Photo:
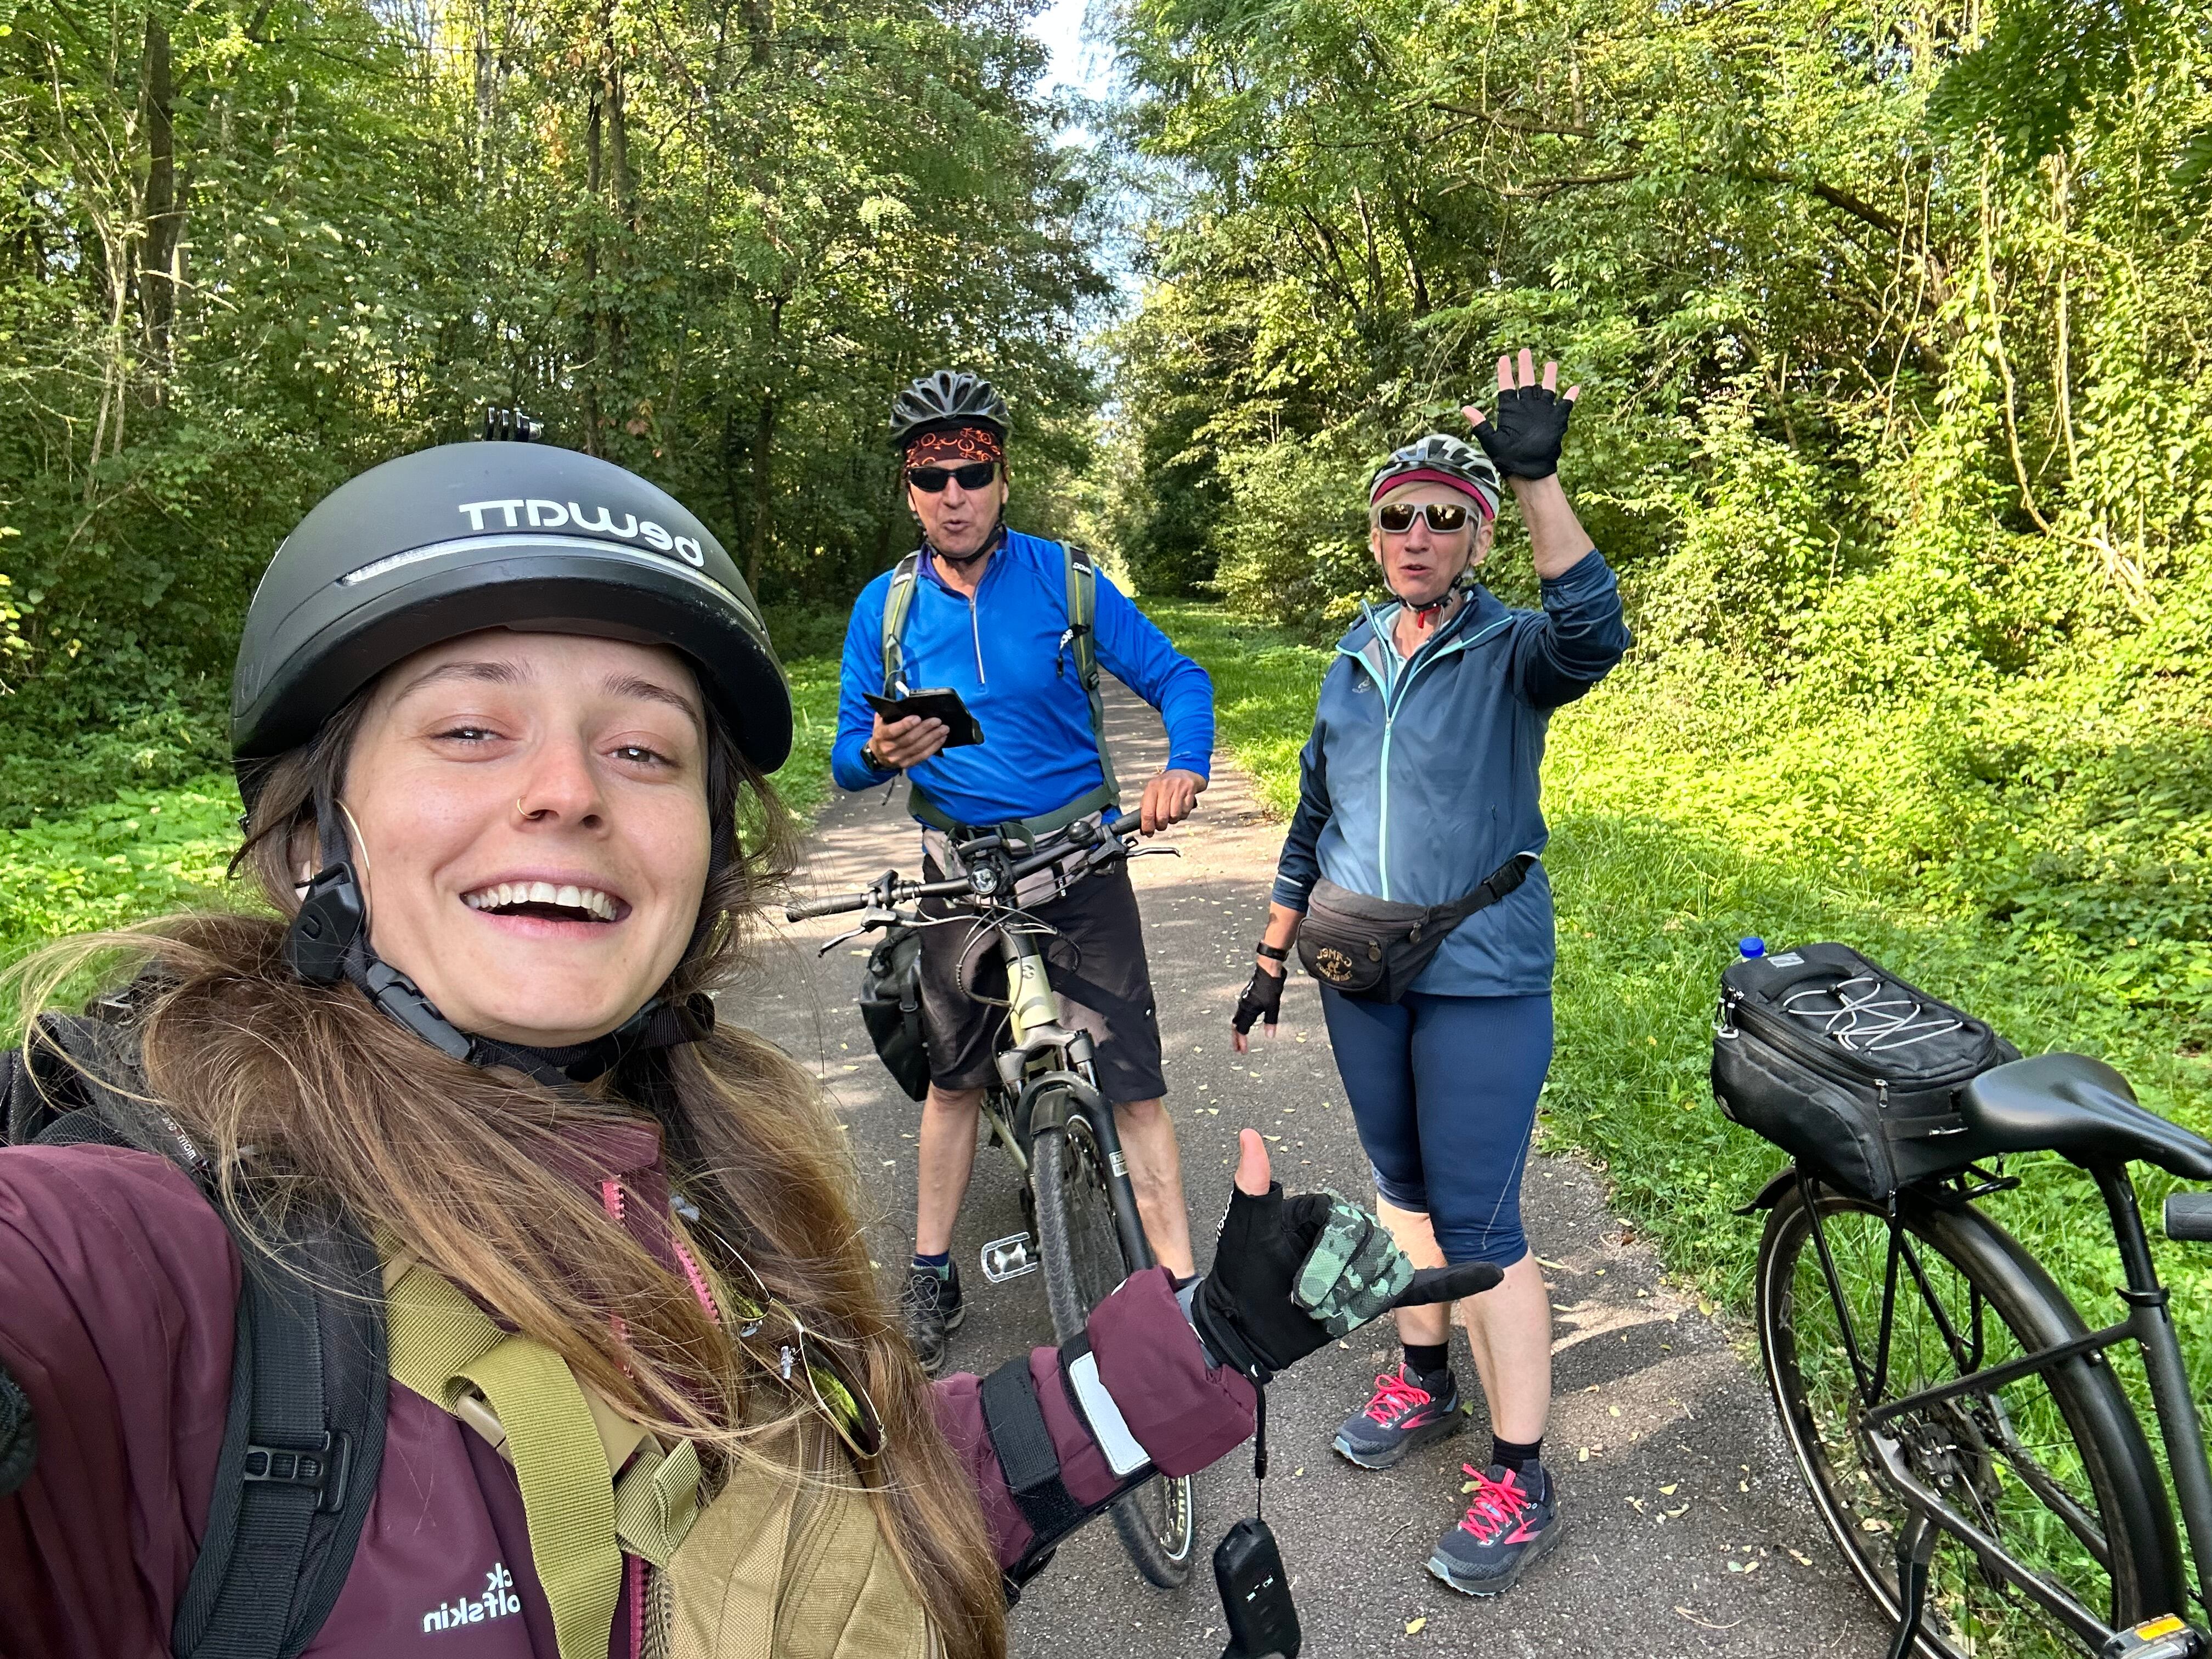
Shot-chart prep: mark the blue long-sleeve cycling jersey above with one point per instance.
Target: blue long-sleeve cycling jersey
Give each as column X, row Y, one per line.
column 1007, row 653
column 1422, row 775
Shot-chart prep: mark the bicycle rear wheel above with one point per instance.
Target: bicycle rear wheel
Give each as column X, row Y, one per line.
column 1083, row 1261
column 2053, row 1466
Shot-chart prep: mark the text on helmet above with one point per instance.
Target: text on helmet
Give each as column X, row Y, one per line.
column 551, row 515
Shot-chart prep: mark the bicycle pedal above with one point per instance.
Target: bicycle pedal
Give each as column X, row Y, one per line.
column 2166, row 1638
column 1010, row 1258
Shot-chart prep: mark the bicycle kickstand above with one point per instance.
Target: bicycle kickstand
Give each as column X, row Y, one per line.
column 1915, row 1548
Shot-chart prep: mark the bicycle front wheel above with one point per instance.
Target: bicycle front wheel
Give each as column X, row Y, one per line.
column 1083, row 1261
column 2053, row 1467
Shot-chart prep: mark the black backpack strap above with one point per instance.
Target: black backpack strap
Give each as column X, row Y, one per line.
column 301, row 1449
column 303, row 1443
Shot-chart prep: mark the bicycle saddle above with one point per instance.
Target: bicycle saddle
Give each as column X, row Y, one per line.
column 2078, row 1107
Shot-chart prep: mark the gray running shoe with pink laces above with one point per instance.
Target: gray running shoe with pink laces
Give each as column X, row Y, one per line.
column 1512, row 1522
column 1400, row 1418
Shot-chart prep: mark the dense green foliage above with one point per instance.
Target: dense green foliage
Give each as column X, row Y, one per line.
column 249, row 248
column 1892, row 324
column 1653, row 896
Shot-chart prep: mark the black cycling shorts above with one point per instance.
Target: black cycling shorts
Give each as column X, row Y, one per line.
column 1097, row 960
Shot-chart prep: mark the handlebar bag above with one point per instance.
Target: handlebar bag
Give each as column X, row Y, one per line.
column 890, row 1007
column 1848, row 1068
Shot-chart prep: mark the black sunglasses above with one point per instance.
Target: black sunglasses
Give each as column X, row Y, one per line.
column 1443, row 517
column 932, row 480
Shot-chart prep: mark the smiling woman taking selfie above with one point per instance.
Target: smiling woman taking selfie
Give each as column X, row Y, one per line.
column 419, row 1264
column 1413, row 884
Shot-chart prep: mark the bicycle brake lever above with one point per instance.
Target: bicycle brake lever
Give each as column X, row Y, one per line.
column 839, row 940
column 1147, row 851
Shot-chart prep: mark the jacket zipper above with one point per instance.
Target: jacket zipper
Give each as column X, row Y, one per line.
column 1394, row 691
column 976, row 633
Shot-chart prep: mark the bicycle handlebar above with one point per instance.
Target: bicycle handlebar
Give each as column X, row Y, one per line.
column 890, row 890
column 825, row 907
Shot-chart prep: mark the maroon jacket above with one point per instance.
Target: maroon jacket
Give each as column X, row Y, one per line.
column 117, row 1288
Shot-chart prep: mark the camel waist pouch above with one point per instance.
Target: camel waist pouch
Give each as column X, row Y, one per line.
column 1376, row 948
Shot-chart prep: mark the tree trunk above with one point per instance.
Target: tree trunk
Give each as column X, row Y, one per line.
column 161, row 255
column 763, row 491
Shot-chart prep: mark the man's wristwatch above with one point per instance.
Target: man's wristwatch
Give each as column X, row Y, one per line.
column 1273, row 952
column 872, row 761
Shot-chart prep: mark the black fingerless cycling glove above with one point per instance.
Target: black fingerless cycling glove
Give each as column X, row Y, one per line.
column 1262, row 1000
column 1244, row 1310
column 1531, row 426
column 1290, row 1273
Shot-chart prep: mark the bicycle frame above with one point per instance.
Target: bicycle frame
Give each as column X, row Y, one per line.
column 1040, row 1079
column 1884, row 1431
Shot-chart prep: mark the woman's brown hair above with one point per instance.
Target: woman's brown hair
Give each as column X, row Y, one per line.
column 297, row 1091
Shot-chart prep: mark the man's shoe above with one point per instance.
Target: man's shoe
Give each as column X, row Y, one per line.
column 1507, row 1529
column 1400, row 1418
column 931, row 1308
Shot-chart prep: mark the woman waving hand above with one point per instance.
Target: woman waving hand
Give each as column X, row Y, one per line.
column 1413, row 883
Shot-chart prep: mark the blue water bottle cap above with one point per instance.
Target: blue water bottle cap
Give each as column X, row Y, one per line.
column 1752, row 948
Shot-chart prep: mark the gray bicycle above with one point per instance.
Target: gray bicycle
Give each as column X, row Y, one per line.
column 1045, row 1111
column 1961, row 1426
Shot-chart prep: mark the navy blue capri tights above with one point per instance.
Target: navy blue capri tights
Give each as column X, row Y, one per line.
column 1444, row 1090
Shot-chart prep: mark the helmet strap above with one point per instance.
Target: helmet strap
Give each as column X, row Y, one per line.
column 1427, row 617
column 328, row 941
column 962, row 561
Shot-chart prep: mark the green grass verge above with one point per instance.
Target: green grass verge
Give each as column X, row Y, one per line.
column 1650, row 906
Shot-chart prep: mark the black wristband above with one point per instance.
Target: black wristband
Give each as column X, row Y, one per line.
column 1273, row 952
column 872, row 761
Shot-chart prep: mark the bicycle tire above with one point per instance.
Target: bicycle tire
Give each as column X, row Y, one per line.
column 1084, row 1259
column 2104, row 1464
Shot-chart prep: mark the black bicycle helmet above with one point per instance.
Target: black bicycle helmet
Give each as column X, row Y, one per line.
column 1445, row 460
column 446, row 541
column 947, row 397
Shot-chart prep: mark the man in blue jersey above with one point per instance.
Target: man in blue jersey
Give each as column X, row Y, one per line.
column 1001, row 617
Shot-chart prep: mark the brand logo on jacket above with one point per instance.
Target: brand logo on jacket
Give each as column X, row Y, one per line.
column 552, row 515
column 499, row 1601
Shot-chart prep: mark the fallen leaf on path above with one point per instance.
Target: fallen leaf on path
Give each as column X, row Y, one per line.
column 1414, row 1627
column 1802, row 1560
column 1669, row 1492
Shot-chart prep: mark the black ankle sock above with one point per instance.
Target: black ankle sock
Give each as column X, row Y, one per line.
column 1522, row 1459
column 1429, row 1358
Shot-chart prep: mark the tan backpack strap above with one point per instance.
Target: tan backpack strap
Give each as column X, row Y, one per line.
column 444, row 1346
column 1083, row 629
column 898, row 599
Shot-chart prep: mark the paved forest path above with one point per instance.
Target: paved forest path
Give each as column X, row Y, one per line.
column 1690, row 1533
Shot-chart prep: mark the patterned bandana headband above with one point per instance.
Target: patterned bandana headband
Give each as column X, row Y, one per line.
column 958, row 447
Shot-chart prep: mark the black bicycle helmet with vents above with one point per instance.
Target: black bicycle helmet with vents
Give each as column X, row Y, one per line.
column 947, row 397
column 468, row 536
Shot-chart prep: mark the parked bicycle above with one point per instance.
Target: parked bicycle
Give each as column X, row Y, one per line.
column 1046, row 1112
column 1962, row 1428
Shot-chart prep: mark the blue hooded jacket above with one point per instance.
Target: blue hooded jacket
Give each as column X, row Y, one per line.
column 1421, row 775
column 1007, row 654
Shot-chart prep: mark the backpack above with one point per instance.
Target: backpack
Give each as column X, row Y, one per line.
column 1082, row 578
column 303, row 1441
column 1848, row 1068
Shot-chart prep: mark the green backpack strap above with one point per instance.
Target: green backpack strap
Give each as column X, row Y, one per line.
column 1082, row 634
column 896, row 603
